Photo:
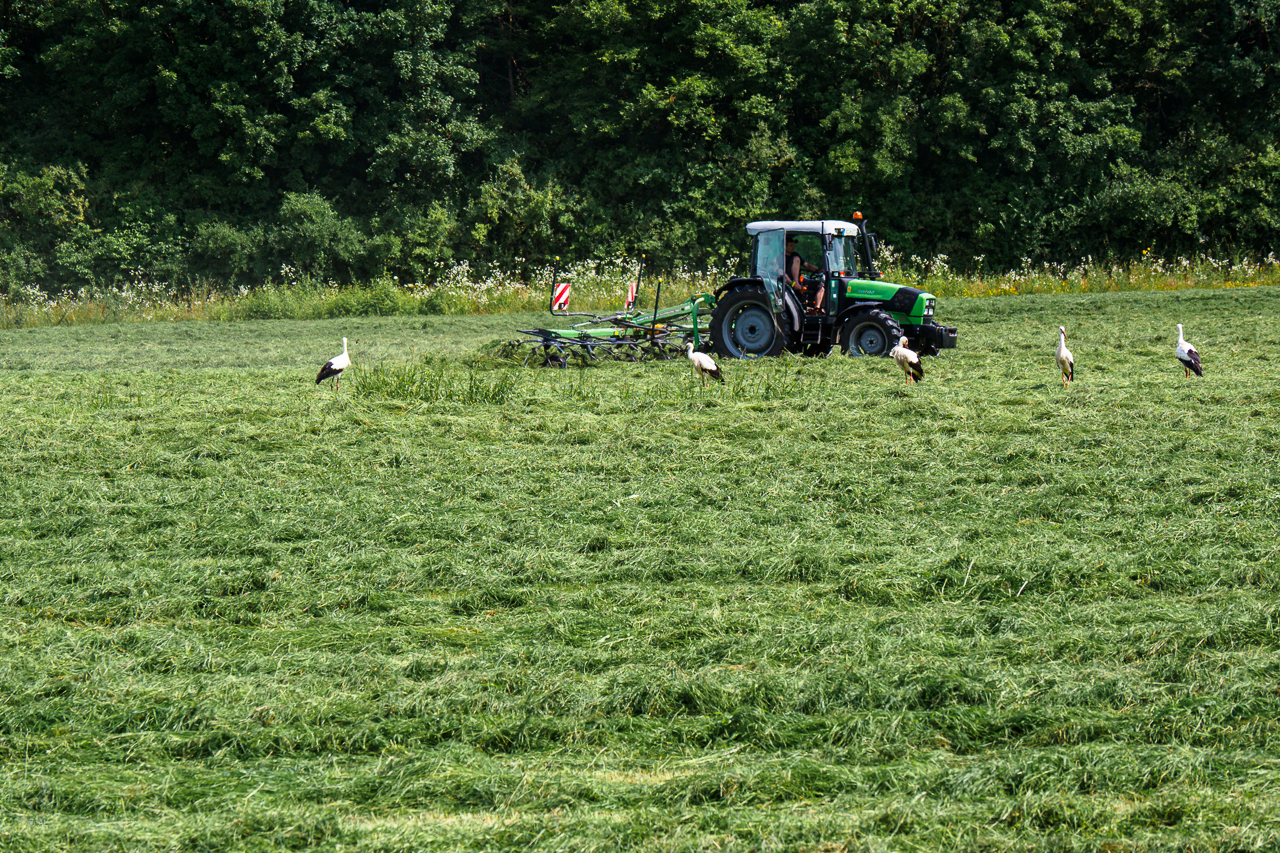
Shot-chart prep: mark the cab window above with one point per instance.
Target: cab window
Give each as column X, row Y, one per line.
column 809, row 246
column 841, row 256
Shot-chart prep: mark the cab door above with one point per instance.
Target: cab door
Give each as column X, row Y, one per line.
column 769, row 262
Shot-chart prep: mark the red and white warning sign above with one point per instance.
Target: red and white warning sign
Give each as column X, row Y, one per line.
column 560, row 296
column 631, row 295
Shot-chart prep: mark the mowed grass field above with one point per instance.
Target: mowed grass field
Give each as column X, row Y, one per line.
column 460, row 605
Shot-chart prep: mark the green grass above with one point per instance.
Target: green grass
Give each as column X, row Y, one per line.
column 463, row 606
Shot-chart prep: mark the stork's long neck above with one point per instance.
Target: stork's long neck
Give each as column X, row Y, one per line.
column 1181, row 339
column 344, row 346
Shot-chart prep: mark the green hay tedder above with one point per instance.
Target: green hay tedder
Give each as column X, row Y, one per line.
column 631, row 334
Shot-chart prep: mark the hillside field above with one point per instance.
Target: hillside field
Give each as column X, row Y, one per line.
column 461, row 605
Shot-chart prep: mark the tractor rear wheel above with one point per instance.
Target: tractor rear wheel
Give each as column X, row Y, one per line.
column 873, row 333
column 743, row 326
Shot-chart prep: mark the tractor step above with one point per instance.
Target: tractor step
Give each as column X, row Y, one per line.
column 811, row 331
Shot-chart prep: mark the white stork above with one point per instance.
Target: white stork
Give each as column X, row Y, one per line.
column 704, row 365
column 909, row 361
column 1066, row 362
column 1189, row 356
column 334, row 367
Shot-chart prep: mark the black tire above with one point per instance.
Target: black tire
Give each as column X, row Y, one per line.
column 872, row 333
column 743, row 326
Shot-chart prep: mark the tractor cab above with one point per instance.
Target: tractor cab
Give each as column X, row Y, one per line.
column 837, row 246
column 831, row 251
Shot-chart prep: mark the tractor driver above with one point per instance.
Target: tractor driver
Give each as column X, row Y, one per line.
column 795, row 263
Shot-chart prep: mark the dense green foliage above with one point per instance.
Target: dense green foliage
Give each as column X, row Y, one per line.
column 462, row 606
column 194, row 142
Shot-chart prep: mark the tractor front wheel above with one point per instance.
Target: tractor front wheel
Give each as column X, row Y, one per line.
column 873, row 333
column 743, row 326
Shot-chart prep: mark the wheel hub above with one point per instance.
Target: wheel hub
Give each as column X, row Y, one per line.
column 753, row 329
column 871, row 340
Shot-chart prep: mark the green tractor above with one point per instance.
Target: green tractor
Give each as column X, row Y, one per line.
column 838, row 301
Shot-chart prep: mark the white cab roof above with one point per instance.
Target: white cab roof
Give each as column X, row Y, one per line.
column 815, row 226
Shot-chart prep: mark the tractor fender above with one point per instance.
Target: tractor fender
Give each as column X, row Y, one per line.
column 793, row 308
column 860, row 308
column 735, row 283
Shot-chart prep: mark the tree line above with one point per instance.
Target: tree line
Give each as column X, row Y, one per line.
column 214, row 141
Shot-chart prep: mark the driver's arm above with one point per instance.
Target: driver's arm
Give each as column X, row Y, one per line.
column 793, row 269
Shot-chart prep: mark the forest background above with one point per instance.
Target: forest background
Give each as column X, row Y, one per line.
column 209, row 144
